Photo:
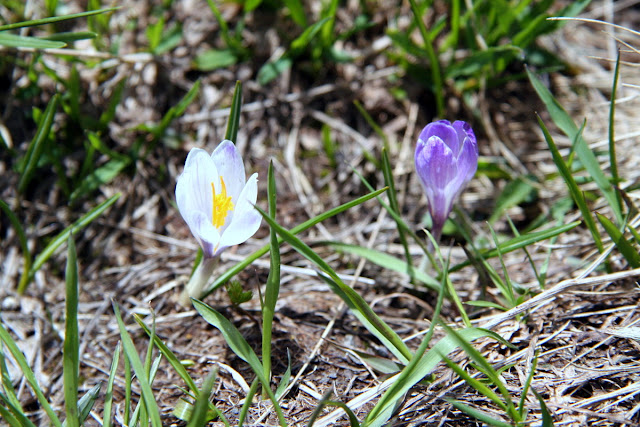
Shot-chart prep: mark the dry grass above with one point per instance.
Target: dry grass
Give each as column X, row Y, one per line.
column 140, row 253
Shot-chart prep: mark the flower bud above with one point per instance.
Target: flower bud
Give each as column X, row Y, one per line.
column 446, row 159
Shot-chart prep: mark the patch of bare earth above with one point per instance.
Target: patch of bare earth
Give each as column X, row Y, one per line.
column 140, row 253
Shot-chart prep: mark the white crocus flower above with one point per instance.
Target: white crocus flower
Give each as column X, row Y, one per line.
column 217, row 205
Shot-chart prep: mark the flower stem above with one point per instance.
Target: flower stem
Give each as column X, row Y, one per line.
column 196, row 288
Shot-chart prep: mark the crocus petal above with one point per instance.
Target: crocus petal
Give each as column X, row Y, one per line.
column 230, row 166
column 205, row 233
column 439, row 162
column 246, row 219
column 443, row 130
column 468, row 160
column 193, row 190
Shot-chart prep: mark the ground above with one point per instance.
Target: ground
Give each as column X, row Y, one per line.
column 140, row 253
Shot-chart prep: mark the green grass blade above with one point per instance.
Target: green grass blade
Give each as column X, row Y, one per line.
column 417, row 372
column 374, row 324
column 232, row 336
column 286, row 378
column 141, row 412
column 37, row 145
column 483, row 365
column 479, row 415
column 575, row 192
column 272, row 289
column 613, row 162
column 247, row 402
column 562, row 119
column 398, row 219
column 224, row 278
column 22, row 238
column 516, row 233
column 8, row 416
column 175, row 363
column 240, row 347
column 350, row 296
column 382, row 411
column 7, row 385
column 507, row 286
column 520, row 241
column 303, row 40
column 527, row 386
column 108, row 395
column 51, row 20
column 13, row 414
column 86, row 402
column 169, row 355
column 385, row 261
column 296, row 9
column 85, row 220
column 478, row 385
column 5, row 337
column 12, row 40
column 138, row 368
column 547, row 420
column 200, row 414
column 70, row 359
column 626, row 249
column 393, row 203
column 233, row 124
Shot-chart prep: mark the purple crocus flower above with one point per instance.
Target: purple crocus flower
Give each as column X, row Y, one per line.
column 446, row 160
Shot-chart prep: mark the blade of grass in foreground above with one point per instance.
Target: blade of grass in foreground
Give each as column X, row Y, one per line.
column 224, row 278
column 5, row 337
column 70, row 359
column 358, row 305
column 613, row 162
column 479, row 415
column 384, row 260
column 201, row 408
column 575, row 192
column 12, row 40
column 562, row 119
column 176, row 365
column 423, row 367
column 272, row 289
column 520, row 242
column 13, row 414
column 629, row 252
column 54, row 19
column 240, row 347
column 483, row 365
column 10, row 398
column 108, row 398
column 138, row 368
column 86, row 402
column 393, row 203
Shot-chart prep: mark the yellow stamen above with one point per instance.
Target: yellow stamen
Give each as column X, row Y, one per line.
column 222, row 204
